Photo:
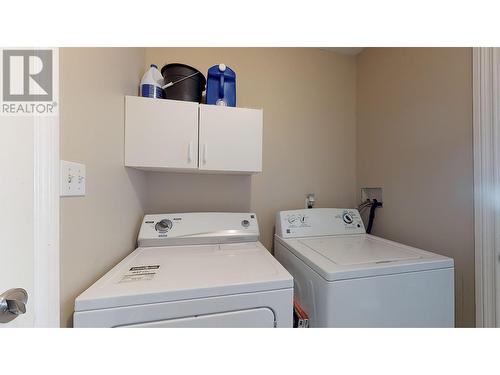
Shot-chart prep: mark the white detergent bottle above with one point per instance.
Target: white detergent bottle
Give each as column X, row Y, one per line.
column 151, row 83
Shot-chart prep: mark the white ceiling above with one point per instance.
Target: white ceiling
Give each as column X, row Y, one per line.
column 344, row 50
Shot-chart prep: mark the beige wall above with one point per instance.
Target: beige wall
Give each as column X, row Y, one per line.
column 308, row 96
column 97, row 230
column 414, row 139
column 414, row 124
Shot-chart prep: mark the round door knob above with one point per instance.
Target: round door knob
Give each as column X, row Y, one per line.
column 12, row 304
column 163, row 226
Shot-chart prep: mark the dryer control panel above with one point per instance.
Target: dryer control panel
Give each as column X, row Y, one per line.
column 198, row 228
column 319, row 222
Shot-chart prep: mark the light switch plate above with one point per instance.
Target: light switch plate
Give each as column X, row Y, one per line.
column 73, row 178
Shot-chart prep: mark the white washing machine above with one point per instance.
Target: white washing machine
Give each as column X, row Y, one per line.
column 346, row 278
column 192, row 270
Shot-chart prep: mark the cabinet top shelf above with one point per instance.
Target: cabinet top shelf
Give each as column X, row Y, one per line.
column 134, row 97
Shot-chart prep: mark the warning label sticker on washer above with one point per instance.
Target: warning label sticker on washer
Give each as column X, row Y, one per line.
column 140, row 273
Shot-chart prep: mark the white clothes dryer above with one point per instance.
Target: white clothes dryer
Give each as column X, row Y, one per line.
column 192, row 270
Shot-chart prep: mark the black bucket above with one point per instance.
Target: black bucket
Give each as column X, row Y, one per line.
column 187, row 89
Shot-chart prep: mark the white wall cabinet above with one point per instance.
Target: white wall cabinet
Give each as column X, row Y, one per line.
column 170, row 135
column 161, row 134
column 230, row 139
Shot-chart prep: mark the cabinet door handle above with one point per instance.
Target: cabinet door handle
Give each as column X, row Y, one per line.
column 190, row 152
column 205, row 152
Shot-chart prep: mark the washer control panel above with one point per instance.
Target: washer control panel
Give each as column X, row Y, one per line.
column 198, row 228
column 319, row 222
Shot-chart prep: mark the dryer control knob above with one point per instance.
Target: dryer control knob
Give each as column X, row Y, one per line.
column 347, row 218
column 163, row 226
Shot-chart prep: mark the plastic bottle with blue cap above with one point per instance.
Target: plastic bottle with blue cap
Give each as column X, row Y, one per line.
column 151, row 83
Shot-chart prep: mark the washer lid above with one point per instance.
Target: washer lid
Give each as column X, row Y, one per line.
column 363, row 255
column 349, row 251
column 163, row 274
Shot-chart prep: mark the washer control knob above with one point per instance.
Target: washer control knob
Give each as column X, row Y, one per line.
column 163, row 226
column 245, row 223
column 347, row 218
column 292, row 219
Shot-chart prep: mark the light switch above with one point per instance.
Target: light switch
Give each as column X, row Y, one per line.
column 72, row 179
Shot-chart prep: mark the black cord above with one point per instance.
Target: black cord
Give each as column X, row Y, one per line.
column 362, row 206
column 362, row 209
column 375, row 204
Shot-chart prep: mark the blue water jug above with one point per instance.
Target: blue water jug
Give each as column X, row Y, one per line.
column 221, row 86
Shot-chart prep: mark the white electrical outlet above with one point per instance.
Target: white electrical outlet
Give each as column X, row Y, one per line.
column 73, row 179
column 310, row 200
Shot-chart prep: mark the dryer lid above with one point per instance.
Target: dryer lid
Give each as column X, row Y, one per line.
column 175, row 273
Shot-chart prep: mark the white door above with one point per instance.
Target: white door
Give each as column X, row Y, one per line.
column 230, row 139
column 161, row 134
column 486, row 127
column 17, row 217
column 29, row 259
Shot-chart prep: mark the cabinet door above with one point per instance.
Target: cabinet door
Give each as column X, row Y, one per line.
column 230, row 139
column 161, row 134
